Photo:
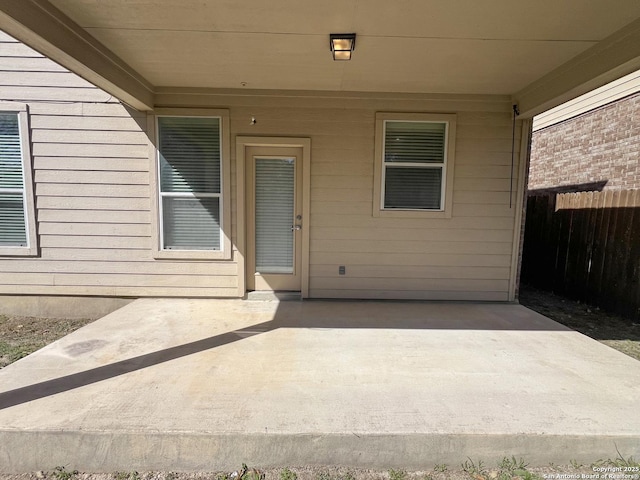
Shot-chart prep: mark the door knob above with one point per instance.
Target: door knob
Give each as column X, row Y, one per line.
column 296, row 227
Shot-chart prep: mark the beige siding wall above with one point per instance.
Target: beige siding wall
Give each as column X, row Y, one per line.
column 92, row 185
column 91, row 170
column 466, row 257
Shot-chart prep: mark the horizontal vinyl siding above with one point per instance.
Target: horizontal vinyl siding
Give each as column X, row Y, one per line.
column 91, row 170
column 91, row 173
column 467, row 257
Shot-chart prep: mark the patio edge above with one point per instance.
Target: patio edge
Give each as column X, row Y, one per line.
column 25, row 451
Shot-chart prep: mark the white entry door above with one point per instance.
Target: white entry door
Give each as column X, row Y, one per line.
column 274, row 218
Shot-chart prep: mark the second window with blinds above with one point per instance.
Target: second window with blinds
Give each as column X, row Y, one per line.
column 192, row 167
column 414, row 164
column 17, row 210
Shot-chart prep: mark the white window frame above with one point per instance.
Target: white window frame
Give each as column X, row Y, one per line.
column 31, row 248
column 447, row 166
column 225, row 188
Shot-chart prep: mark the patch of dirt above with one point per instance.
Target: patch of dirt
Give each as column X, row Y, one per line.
column 439, row 472
column 612, row 330
column 20, row 336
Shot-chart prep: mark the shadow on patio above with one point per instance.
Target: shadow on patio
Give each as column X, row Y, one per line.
column 206, row 384
column 308, row 315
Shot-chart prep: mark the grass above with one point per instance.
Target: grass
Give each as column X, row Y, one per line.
column 397, row 474
column 21, row 336
column 324, row 475
column 473, row 469
column 509, row 468
column 61, row 473
column 126, row 476
column 510, row 465
column 619, row 461
column 287, row 474
column 10, row 353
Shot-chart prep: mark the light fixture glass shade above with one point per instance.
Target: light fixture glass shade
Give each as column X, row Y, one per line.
column 342, row 44
column 342, row 54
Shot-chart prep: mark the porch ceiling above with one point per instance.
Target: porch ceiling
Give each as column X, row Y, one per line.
column 503, row 47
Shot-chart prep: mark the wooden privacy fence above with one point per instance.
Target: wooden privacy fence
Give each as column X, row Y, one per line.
column 586, row 246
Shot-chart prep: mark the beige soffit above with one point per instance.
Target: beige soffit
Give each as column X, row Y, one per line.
column 623, row 87
column 608, row 60
column 498, row 47
column 46, row 29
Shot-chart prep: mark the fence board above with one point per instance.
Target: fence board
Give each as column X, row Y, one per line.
column 592, row 227
column 608, row 274
column 586, row 246
column 584, row 249
column 601, row 247
column 573, row 269
column 623, row 251
column 633, row 267
column 562, row 224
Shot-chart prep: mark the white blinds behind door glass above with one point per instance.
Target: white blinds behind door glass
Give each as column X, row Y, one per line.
column 12, row 220
column 274, row 208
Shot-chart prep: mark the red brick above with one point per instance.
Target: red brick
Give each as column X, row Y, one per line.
column 603, row 144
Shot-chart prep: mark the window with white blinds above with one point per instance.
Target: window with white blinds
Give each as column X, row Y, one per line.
column 414, row 165
column 13, row 231
column 190, row 183
column 17, row 212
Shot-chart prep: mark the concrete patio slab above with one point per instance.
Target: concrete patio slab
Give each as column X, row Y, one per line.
column 166, row 384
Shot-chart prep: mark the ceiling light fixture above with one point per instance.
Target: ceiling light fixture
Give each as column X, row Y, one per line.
column 342, row 44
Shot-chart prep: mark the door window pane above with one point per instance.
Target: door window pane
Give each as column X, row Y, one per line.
column 274, row 210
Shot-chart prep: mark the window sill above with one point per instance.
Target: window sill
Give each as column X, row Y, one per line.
column 393, row 213
column 18, row 252
column 191, row 255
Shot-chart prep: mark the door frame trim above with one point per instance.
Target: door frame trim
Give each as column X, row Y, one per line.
column 242, row 142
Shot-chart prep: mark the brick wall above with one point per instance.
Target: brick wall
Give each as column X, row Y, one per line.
column 601, row 145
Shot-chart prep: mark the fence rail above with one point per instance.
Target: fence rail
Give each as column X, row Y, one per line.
column 586, row 246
